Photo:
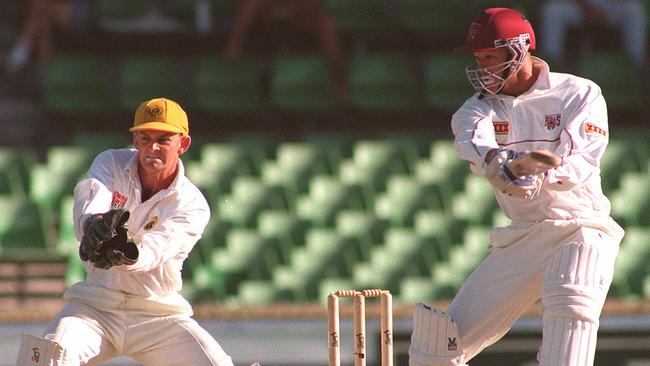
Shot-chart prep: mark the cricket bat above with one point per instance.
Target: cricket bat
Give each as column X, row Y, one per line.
column 534, row 162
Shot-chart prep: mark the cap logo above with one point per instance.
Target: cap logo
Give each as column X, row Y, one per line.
column 474, row 30
column 155, row 111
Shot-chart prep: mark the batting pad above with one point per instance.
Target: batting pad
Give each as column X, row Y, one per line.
column 35, row 351
column 576, row 283
column 568, row 342
column 435, row 340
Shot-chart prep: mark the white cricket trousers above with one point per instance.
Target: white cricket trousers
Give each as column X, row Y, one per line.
column 98, row 324
column 567, row 264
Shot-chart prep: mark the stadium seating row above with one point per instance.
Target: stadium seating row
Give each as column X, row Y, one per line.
column 293, row 218
column 85, row 83
column 378, row 82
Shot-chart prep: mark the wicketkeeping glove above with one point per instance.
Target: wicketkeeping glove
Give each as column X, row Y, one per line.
column 117, row 251
column 105, row 240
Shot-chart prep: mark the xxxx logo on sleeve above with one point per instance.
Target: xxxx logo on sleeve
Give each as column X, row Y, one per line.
column 592, row 129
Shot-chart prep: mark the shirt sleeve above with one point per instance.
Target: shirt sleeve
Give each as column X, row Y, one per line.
column 474, row 134
column 92, row 194
column 582, row 142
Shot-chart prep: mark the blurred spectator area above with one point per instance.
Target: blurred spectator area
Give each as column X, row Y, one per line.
column 400, row 72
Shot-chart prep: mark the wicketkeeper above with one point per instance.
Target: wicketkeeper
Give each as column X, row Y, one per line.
column 137, row 218
column 537, row 137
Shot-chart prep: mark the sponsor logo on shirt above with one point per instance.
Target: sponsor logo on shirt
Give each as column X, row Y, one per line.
column 119, row 200
column 591, row 128
column 152, row 223
column 501, row 127
column 552, row 120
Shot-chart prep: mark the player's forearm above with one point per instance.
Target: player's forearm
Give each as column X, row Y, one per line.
column 90, row 197
column 474, row 136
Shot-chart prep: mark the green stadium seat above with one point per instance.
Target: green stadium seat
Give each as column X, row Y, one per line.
column 632, row 263
column 294, row 165
column 227, row 87
column 444, row 169
column 327, row 196
column 67, row 242
column 431, row 17
column 363, row 229
column 209, row 283
column 413, row 290
column 616, row 76
column 324, row 254
column 231, row 155
column 439, row 230
column 249, row 196
column 371, row 164
column 214, row 236
column 382, row 83
column 64, row 167
column 25, row 229
column 330, row 285
column 77, row 84
column 630, row 202
column 446, row 86
column 257, row 292
column 500, row 219
column 449, row 276
column 247, row 255
column 150, row 76
column 283, row 229
column 302, row 83
column 260, row 147
column 402, row 254
column 218, row 165
column 14, row 171
column 615, row 161
column 476, row 204
column 337, row 144
column 411, row 254
column 403, row 197
column 358, row 17
column 373, row 274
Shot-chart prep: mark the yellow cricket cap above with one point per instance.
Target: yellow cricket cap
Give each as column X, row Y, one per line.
column 160, row 114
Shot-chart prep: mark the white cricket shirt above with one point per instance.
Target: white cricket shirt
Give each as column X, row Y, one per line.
column 563, row 113
column 165, row 227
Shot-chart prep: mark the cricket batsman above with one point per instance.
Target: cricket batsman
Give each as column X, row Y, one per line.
column 137, row 217
column 537, row 136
